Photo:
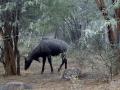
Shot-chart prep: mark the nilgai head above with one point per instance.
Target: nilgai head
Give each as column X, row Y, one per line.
column 27, row 63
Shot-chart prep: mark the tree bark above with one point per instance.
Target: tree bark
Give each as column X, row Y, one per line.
column 10, row 33
column 117, row 16
column 9, row 57
column 16, row 51
column 112, row 35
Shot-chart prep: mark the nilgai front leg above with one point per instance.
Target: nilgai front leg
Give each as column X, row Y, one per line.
column 43, row 66
column 50, row 62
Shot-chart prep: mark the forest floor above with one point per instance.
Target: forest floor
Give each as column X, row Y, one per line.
column 48, row 81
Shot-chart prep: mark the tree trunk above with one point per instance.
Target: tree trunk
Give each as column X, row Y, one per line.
column 10, row 33
column 117, row 14
column 112, row 35
column 9, row 57
column 16, row 51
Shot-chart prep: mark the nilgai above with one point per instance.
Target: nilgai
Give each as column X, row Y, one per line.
column 46, row 49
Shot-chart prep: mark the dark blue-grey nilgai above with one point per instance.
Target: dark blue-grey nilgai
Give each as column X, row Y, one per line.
column 46, row 49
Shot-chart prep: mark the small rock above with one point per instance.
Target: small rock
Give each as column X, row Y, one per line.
column 16, row 86
column 69, row 74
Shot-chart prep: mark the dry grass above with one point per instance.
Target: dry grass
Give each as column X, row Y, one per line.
column 48, row 81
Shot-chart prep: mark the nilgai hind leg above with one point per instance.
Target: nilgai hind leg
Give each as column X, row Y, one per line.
column 64, row 60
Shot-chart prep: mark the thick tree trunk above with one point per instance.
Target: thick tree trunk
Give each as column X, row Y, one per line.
column 10, row 33
column 117, row 16
column 9, row 57
column 112, row 35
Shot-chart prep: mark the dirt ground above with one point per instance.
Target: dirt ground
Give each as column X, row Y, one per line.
column 48, row 81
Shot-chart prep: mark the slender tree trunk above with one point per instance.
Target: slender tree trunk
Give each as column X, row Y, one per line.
column 16, row 51
column 117, row 14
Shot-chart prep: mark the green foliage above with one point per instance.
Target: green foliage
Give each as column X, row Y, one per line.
column 117, row 4
column 8, row 12
column 44, row 15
